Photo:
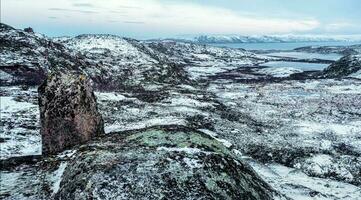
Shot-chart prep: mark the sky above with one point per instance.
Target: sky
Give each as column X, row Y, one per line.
column 144, row 19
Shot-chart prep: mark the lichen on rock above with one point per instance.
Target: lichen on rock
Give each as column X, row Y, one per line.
column 68, row 112
column 160, row 163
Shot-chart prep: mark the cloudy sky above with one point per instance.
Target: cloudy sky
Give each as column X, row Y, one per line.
column 168, row 18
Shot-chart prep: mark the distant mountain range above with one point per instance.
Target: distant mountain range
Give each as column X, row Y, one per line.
column 268, row 38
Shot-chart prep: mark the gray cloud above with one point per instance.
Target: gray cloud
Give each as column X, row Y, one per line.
column 86, row 5
column 130, row 7
column 119, row 13
column 133, row 22
column 73, row 10
column 113, row 21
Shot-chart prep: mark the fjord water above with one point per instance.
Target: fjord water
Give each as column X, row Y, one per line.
column 280, row 46
column 285, row 50
column 305, row 55
column 296, row 65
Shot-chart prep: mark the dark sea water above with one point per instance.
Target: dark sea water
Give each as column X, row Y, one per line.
column 281, row 46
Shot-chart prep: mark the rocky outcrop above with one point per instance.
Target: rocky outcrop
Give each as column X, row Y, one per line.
column 68, row 112
column 160, row 163
column 27, row 57
column 346, row 66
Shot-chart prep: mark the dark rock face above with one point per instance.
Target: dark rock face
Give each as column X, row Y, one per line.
column 160, row 163
column 68, row 112
column 345, row 66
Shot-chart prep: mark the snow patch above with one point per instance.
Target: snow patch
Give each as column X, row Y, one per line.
column 110, row 96
column 226, row 143
column 345, row 89
column 356, row 75
column 279, row 72
column 307, row 127
column 192, row 163
column 187, row 150
column 185, row 101
column 144, row 124
column 296, row 185
column 57, row 177
column 9, row 105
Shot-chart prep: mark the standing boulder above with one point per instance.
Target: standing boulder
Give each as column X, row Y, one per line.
column 68, row 112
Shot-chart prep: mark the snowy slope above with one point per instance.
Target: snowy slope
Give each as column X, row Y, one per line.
column 117, row 46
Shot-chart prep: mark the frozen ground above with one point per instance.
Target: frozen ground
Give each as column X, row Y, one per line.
column 299, row 186
column 313, row 126
column 302, row 137
column 19, row 122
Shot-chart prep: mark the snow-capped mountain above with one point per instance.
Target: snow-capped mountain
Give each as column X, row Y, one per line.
column 269, row 38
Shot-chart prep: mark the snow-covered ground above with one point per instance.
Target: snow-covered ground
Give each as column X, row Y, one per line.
column 302, row 136
column 293, row 122
column 299, row 186
column 19, row 122
column 109, row 44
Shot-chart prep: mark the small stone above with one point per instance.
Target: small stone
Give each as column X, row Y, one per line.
column 68, row 112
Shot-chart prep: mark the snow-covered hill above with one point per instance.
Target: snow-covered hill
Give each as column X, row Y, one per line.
column 346, row 66
column 110, row 61
column 26, row 57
